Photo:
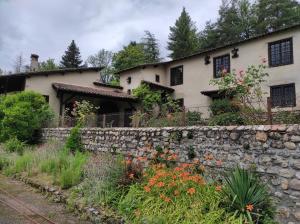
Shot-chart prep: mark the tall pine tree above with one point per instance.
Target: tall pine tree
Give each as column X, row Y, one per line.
column 276, row 14
column 151, row 48
column 72, row 58
column 183, row 38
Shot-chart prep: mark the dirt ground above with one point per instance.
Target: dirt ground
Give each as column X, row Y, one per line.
column 36, row 201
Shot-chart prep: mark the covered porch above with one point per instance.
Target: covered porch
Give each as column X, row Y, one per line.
column 115, row 107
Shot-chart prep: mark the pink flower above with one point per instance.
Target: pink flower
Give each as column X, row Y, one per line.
column 263, row 60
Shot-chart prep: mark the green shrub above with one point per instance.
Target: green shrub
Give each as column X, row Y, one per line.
column 22, row 115
column 247, row 197
column 21, row 164
column 72, row 174
column 73, row 143
column 4, row 162
column 286, row 117
column 229, row 118
column 221, row 106
column 194, row 118
column 103, row 181
column 14, row 145
column 177, row 195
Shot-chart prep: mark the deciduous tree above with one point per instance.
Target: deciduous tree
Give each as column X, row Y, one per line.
column 48, row 65
column 130, row 56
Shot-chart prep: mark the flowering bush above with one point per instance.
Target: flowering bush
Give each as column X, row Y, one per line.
column 244, row 88
column 174, row 195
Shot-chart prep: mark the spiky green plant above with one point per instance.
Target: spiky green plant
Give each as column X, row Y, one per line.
column 247, row 196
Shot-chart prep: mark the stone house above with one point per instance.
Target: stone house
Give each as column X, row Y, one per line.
column 189, row 77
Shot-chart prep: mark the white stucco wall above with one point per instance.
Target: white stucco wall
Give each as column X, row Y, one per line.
column 43, row 84
column 197, row 75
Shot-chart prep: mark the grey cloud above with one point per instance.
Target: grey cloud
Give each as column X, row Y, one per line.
column 47, row 27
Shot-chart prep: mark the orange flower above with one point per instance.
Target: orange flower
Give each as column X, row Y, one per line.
column 152, row 181
column 191, row 191
column 218, row 188
column 147, row 189
column 160, row 184
column 249, row 207
column 178, row 169
column 176, row 192
column 131, row 176
column 167, row 199
column 172, row 184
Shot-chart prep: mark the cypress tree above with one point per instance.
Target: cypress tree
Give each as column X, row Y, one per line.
column 72, row 58
column 183, row 38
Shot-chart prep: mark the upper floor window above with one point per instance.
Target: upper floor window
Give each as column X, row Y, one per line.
column 221, row 63
column 129, row 80
column 283, row 95
column 177, row 76
column 281, row 52
column 129, row 91
column 157, row 78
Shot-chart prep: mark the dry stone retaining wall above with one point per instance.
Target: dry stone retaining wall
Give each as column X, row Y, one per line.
column 273, row 150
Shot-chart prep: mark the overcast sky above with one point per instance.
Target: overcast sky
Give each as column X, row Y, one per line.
column 46, row 27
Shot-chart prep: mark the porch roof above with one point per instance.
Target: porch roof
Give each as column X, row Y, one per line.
column 158, row 86
column 89, row 91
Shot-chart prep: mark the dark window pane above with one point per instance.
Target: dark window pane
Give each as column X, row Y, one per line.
column 221, row 63
column 177, row 76
column 283, row 95
column 281, row 52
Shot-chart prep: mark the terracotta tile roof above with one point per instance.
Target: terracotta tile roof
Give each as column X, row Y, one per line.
column 207, row 51
column 158, row 86
column 57, row 71
column 98, row 91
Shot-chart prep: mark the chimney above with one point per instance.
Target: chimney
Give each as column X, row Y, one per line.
column 34, row 63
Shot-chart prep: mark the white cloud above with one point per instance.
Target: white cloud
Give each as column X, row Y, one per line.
column 47, row 27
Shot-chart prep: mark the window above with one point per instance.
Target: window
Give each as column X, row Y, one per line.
column 156, row 78
column 281, row 52
column 46, row 97
column 129, row 91
column 221, row 63
column 283, row 95
column 177, row 76
column 129, row 80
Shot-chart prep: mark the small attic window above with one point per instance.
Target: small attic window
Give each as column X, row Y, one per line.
column 157, row 78
column 129, row 80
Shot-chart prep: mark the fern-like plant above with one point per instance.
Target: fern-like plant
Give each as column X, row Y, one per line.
column 247, row 196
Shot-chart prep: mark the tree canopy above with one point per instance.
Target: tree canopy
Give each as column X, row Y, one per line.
column 71, row 58
column 151, row 48
column 130, row 56
column 241, row 19
column 183, row 38
column 48, row 65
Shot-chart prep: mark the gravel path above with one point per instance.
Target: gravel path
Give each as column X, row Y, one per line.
column 36, row 201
